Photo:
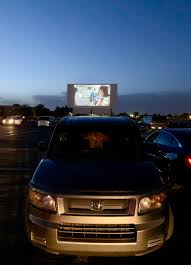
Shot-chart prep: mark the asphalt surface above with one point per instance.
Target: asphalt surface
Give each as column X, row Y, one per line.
column 19, row 157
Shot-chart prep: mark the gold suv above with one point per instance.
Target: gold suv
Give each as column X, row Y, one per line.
column 94, row 195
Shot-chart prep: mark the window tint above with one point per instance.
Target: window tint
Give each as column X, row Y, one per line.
column 108, row 141
column 173, row 142
column 185, row 138
column 153, row 137
column 164, row 138
column 44, row 118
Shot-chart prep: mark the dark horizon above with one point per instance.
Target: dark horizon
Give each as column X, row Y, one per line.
column 162, row 102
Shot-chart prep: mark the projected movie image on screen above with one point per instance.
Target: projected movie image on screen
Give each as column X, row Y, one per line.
column 92, row 95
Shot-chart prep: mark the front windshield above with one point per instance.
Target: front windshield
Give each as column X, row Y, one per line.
column 44, row 118
column 113, row 142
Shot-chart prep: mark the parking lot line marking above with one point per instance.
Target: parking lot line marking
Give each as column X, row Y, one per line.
column 20, row 133
column 17, row 149
column 15, row 169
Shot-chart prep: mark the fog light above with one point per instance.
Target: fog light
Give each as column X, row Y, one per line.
column 155, row 242
column 38, row 239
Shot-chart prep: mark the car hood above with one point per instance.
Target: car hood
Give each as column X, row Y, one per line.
column 70, row 177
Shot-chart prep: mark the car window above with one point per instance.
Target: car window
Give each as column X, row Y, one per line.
column 109, row 141
column 44, row 118
column 164, row 138
column 153, row 137
column 173, row 142
column 185, row 138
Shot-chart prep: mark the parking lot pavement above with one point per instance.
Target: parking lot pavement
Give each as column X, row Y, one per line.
column 18, row 160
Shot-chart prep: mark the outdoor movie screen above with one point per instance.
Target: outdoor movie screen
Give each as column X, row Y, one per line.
column 92, row 95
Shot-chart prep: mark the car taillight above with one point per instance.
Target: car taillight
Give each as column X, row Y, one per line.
column 188, row 161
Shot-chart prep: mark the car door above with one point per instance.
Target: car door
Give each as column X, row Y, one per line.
column 168, row 149
column 159, row 150
column 151, row 146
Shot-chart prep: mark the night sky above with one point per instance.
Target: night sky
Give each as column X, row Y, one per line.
column 142, row 45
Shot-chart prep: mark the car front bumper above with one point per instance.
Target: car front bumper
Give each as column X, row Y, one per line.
column 152, row 231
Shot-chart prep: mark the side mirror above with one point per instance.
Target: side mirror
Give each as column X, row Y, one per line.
column 42, row 145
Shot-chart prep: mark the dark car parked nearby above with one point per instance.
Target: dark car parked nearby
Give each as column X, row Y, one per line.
column 170, row 149
column 93, row 194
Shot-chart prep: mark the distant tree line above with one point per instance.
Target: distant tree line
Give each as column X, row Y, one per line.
column 32, row 112
column 157, row 116
column 40, row 110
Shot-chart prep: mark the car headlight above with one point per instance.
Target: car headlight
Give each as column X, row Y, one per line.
column 11, row 121
column 4, row 121
column 43, row 201
column 151, row 203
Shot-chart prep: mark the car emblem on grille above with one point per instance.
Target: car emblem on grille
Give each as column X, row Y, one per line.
column 96, row 205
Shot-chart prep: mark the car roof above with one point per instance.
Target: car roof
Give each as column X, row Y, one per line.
column 97, row 120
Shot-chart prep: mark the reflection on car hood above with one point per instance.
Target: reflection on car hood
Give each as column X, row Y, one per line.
column 69, row 177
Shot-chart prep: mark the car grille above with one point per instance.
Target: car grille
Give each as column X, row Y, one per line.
column 101, row 232
column 79, row 206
